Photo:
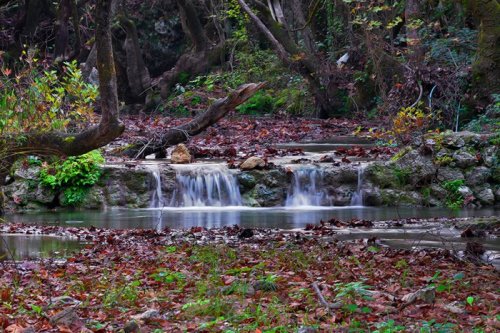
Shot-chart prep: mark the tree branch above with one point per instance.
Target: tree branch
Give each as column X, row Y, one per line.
column 182, row 133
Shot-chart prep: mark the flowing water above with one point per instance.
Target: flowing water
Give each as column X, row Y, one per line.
column 157, row 198
column 208, row 195
column 306, row 188
column 212, row 185
column 357, row 197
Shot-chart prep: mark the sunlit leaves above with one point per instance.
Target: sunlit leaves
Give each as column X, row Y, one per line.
column 37, row 98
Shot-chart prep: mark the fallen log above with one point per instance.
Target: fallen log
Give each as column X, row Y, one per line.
column 182, row 133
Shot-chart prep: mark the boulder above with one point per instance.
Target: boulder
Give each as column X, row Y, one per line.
column 464, row 159
column 448, row 173
column 485, row 196
column 246, row 180
column 477, row 176
column 422, row 168
column 465, row 191
column 181, row 155
column 252, row 163
column 372, row 197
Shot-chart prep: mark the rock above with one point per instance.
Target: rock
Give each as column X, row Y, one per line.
column 490, row 156
column 453, row 141
column 438, row 191
column 307, row 329
column 132, row 327
column 454, row 307
column 495, row 173
column 485, row 196
column 29, row 329
column 181, row 155
column 477, row 176
column 464, row 159
column 147, row 315
column 246, row 233
column 497, row 194
column 465, row 191
column 448, row 173
column 67, row 317
column 246, row 180
column 253, row 163
column 372, row 197
column 421, row 168
column 267, row 197
column 427, row 295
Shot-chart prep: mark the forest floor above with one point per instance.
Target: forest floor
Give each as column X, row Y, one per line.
column 238, row 137
column 242, row 280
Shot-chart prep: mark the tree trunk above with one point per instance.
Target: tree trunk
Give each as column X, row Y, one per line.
column 182, row 133
column 137, row 73
column 62, row 32
column 303, row 28
column 412, row 13
column 485, row 70
column 305, row 63
column 200, row 58
column 110, row 127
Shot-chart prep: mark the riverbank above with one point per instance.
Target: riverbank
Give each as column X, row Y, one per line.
column 247, row 280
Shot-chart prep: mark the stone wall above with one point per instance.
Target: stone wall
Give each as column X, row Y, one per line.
column 416, row 176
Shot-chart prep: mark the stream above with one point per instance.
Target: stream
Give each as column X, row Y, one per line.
column 415, row 235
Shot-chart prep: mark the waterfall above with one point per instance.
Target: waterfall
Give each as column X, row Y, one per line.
column 205, row 185
column 357, row 197
column 157, row 197
column 306, row 189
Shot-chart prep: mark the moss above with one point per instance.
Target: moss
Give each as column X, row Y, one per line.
column 400, row 154
column 69, row 139
column 383, row 176
column 443, row 160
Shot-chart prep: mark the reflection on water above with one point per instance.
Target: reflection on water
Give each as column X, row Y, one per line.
column 20, row 247
column 209, row 217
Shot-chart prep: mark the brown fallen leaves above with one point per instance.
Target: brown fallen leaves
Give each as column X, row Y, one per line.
column 201, row 280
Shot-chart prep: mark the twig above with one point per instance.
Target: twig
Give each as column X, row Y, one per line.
column 419, row 95
column 322, row 300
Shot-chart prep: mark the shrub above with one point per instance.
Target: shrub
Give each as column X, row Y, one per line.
column 455, row 199
column 73, row 176
column 35, row 97
column 259, row 103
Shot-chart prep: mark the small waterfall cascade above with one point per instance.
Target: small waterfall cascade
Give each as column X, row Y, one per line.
column 306, row 189
column 357, row 197
column 157, row 197
column 207, row 185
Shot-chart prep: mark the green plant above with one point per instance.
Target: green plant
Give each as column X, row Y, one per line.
column 126, row 293
column 167, row 276
column 455, row 199
column 35, row 98
column 443, row 160
column 257, row 104
column 431, row 326
column 73, row 176
column 403, row 176
column 470, row 300
column 351, row 290
column 388, row 326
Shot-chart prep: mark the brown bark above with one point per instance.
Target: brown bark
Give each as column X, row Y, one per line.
column 412, row 13
column 485, row 70
column 137, row 73
column 110, row 127
column 197, row 60
column 303, row 28
column 62, row 32
column 305, row 63
column 182, row 133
